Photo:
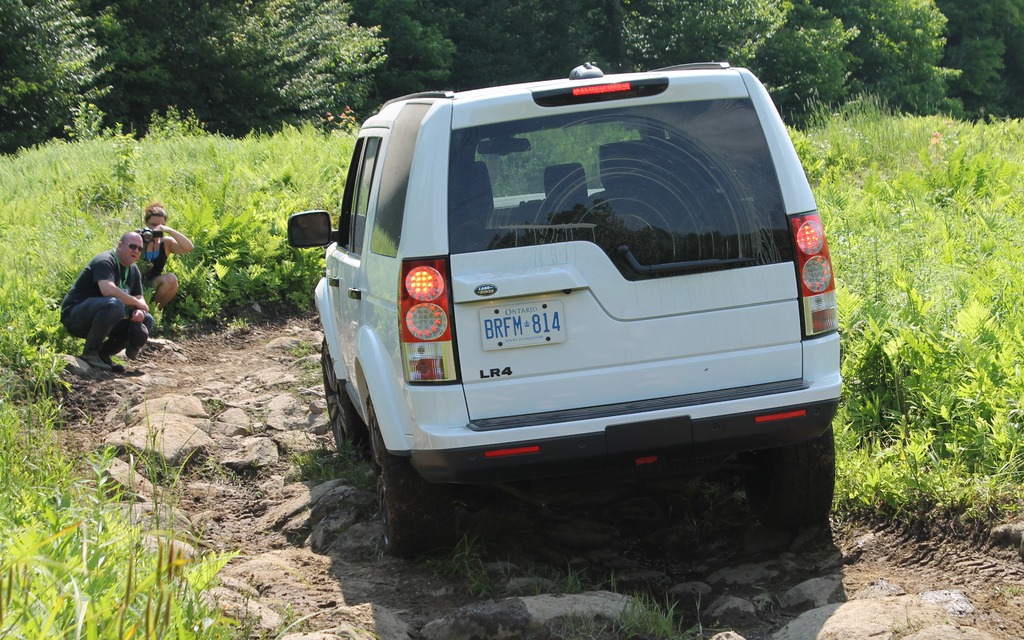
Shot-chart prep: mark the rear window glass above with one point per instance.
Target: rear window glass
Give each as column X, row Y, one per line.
column 662, row 189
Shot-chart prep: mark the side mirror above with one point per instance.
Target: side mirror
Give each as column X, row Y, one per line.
column 310, row 229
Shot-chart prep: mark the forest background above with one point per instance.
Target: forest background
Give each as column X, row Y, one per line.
column 239, row 66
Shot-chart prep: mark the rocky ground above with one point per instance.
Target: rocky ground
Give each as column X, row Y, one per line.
column 234, row 409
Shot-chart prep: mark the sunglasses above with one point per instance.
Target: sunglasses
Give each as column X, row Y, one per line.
column 135, row 247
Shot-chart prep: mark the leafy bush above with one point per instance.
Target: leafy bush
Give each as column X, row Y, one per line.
column 62, row 203
column 922, row 216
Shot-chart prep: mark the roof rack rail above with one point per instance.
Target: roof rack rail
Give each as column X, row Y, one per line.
column 420, row 94
column 696, row 65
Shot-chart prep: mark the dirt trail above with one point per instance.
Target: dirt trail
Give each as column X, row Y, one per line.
column 318, row 568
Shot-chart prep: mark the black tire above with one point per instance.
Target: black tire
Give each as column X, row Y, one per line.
column 346, row 425
column 792, row 487
column 417, row 515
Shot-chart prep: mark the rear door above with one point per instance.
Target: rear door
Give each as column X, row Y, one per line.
column 344, row 265
column 636, row 250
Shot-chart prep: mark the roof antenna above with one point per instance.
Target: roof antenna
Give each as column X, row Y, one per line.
column 586, row 70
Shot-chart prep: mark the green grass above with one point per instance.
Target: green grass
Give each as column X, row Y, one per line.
column 71, row 564
column 923, row 217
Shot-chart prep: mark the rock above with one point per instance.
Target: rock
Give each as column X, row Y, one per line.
column 369, row 622
column 879, row 589
column 743, row 574
column 1011, row 535
column 327, row 530
column 287, row 413
column 949, row 633
column 735, row 610
column 955, row 603
column 690, row 590
column 285, row 343
column 816, row 592
column 75, row 365
column 244, row 608
column 233, row 422
column 295, row 441
column 518, row 617
column 178, row 549
column 182, row 405
column 176, row 439
column 134, row 483
column 878, row 618
column 252, row 453
column 274, row 377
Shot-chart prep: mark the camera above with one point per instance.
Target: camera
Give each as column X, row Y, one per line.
column 149, row 234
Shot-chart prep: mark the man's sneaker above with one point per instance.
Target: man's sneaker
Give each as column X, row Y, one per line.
column 93, row 359
column 132, row 352
column 116, row 368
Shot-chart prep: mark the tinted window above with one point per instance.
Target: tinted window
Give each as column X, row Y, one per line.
column 361, row 197
column 661, row 189
column 394, row 184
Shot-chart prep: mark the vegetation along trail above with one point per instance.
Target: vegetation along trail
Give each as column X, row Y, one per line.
column 226, row 445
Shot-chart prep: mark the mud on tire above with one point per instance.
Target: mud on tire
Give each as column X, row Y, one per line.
column 346, row 425
column 417, row 515
column 792, row 486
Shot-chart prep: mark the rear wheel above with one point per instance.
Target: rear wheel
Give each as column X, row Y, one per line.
column 346, row 425
column 417, row 515
column 792, row 487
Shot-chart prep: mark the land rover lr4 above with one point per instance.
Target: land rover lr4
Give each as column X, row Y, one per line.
column 608, row 278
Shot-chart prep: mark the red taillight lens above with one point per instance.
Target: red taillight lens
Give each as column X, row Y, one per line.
column 810, row 237
column 424, row 283
column 425, row 322
column 817, row 283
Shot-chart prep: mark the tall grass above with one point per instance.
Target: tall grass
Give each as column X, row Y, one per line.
column 72, row 562
column 923, row 216
column 60, row 204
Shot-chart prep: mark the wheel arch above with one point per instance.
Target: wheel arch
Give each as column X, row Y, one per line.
column 330, row 328
column 376, row 384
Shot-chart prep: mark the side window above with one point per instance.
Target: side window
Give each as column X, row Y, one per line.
column 345, row 219
column 361, row 196
column 394, row 184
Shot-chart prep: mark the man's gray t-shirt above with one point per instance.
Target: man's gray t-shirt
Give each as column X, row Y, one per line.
column 104, row 266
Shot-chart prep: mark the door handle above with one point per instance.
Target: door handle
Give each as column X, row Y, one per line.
column 333, row 281
column 355, row 294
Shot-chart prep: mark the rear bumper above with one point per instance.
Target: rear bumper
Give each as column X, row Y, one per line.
column 651, row 444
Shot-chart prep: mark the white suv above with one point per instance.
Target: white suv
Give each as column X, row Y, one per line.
column 606, row 278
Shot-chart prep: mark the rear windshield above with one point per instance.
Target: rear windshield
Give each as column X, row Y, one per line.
column 663, row 189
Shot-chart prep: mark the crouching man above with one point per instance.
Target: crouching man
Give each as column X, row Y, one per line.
column 106, row 306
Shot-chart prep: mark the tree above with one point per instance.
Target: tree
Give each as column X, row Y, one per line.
column 46, row 63
column 984, row 45
column 311, row 57
column 805, row 62
column 666, row 32
column 897, row 51
column 238, row 65
column 500, row 43
column 418, row 53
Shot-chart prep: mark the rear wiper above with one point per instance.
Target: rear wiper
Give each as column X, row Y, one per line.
column 682, row 267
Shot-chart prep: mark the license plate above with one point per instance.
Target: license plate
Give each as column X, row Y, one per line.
column 522, row 325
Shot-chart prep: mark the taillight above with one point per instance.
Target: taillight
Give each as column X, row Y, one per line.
column 817, row 283
column 425, row 317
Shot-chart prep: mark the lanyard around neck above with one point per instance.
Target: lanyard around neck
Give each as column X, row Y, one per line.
column 124, row 278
